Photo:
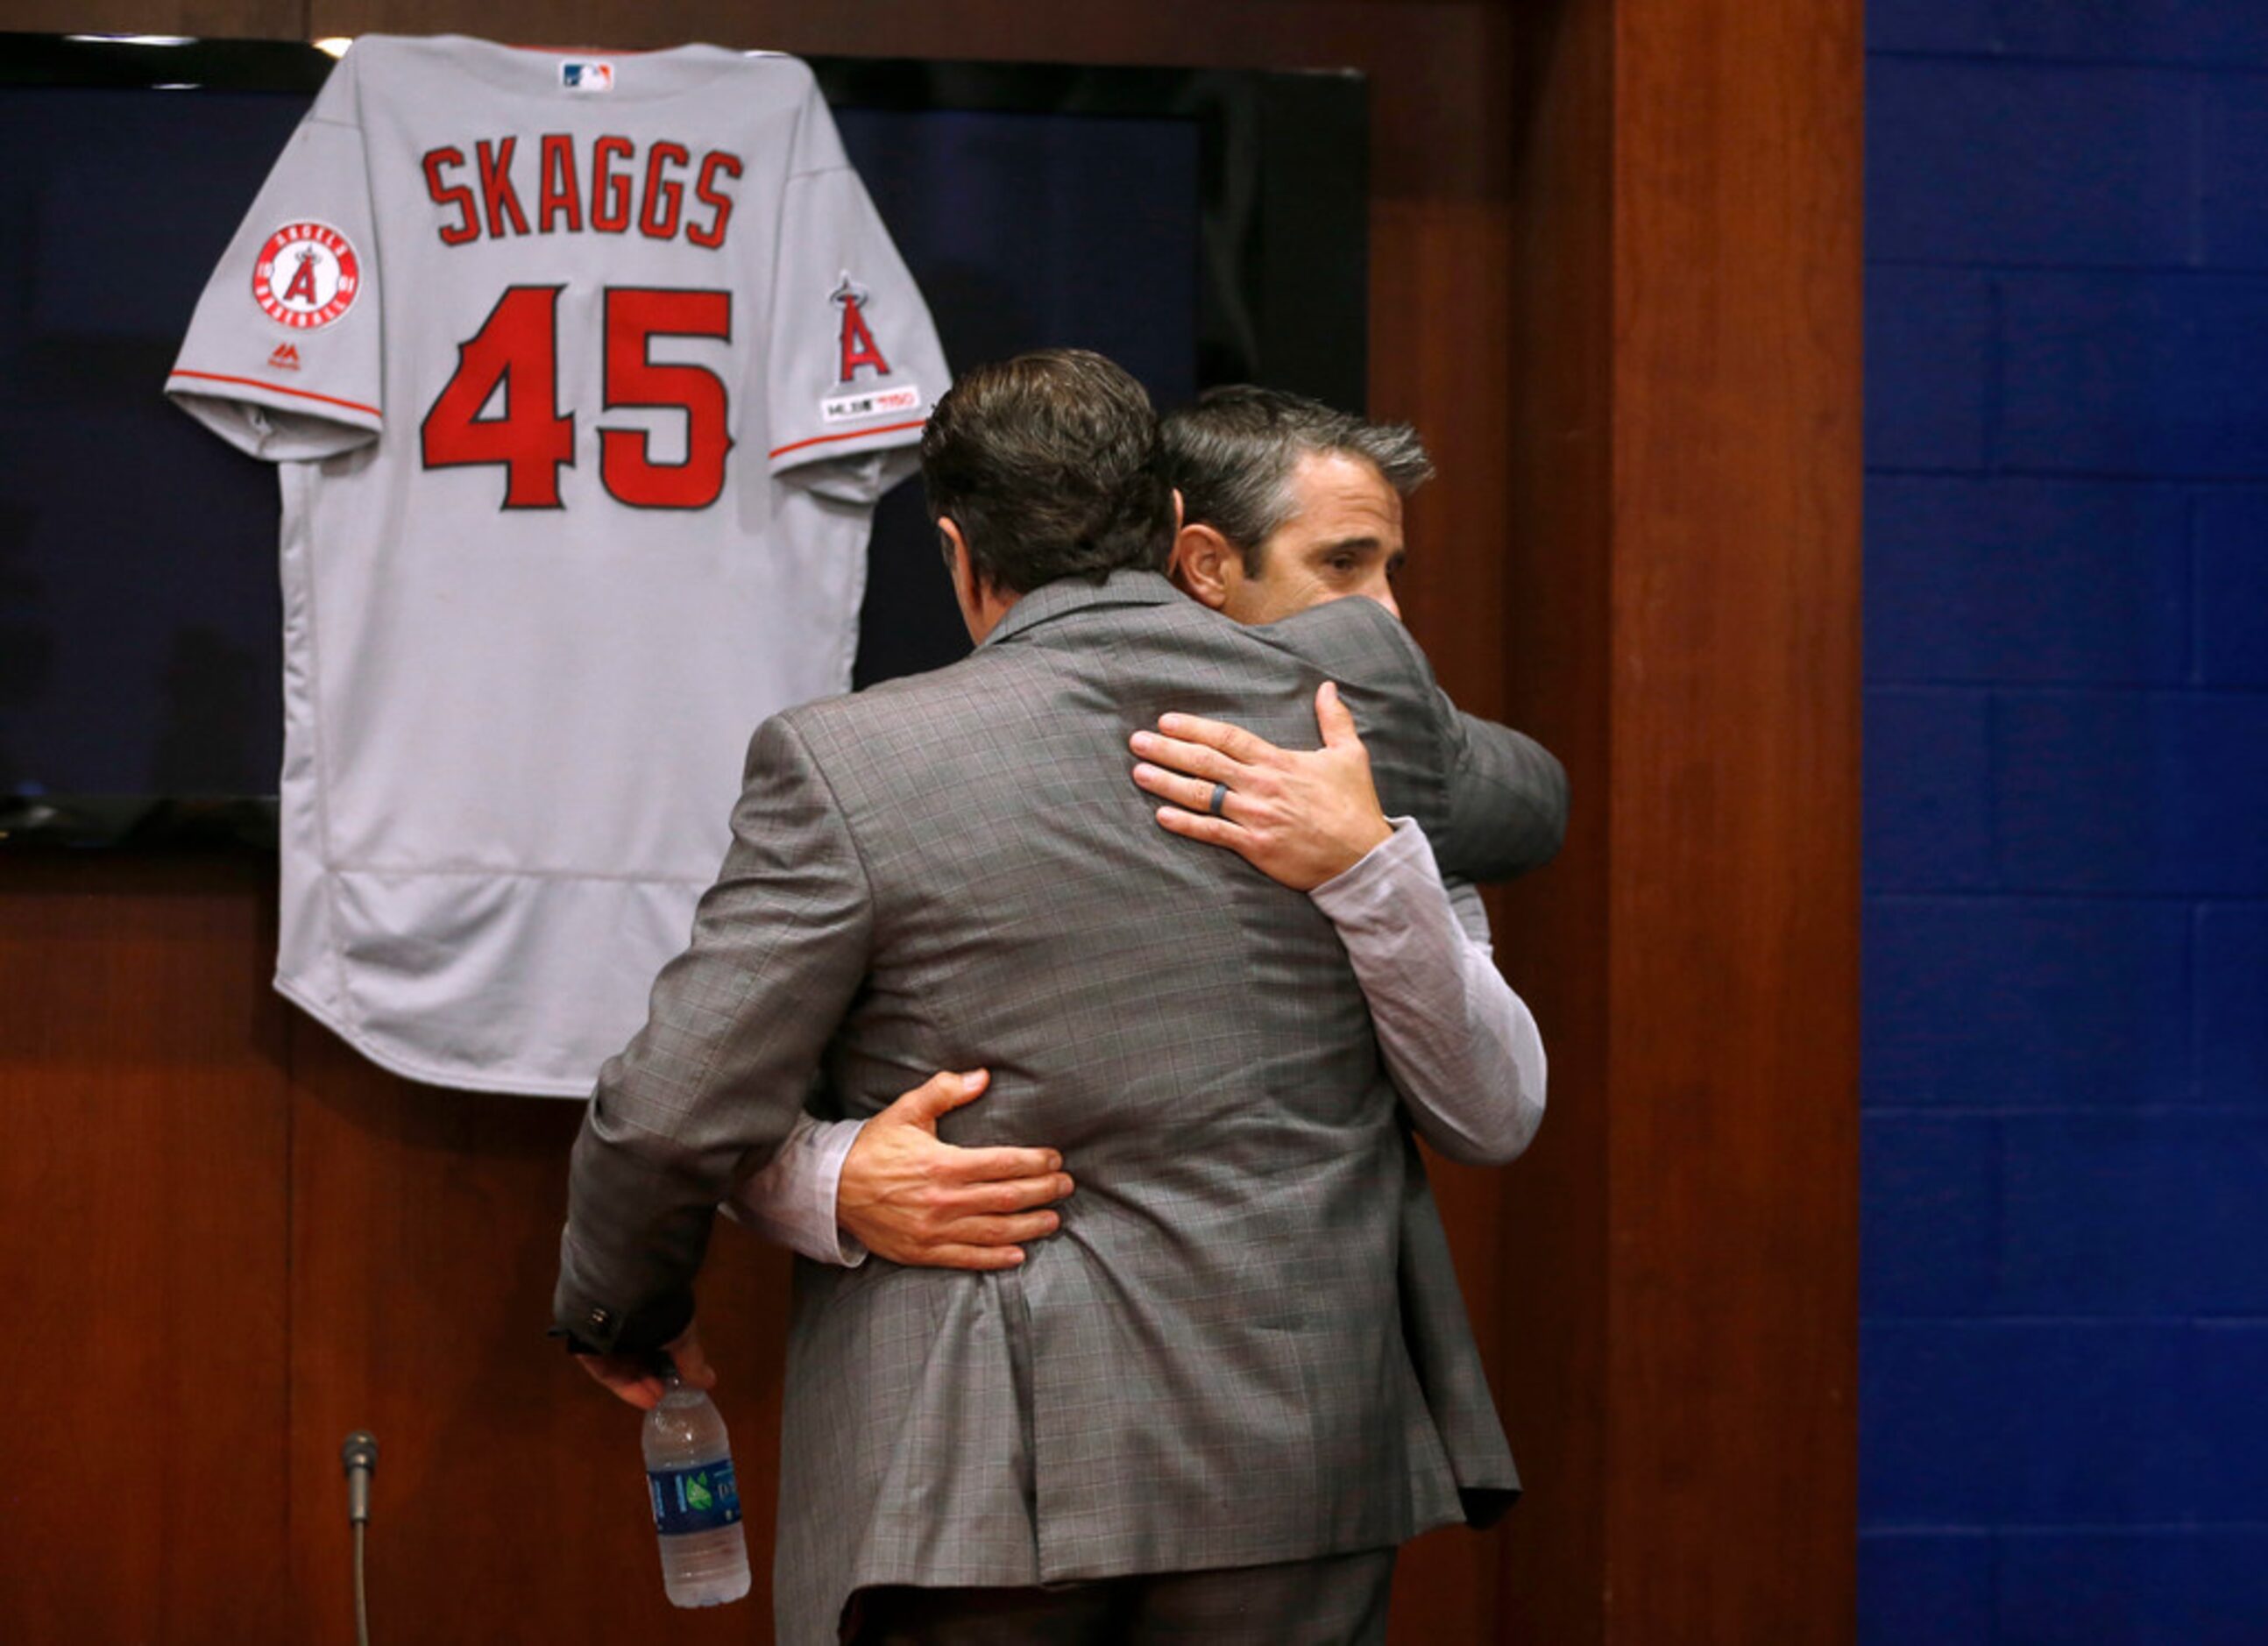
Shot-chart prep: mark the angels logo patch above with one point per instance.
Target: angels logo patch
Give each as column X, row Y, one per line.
column 858, row 345
column 307, row 275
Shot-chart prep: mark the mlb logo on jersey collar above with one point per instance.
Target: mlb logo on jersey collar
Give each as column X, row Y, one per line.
column 582, row 75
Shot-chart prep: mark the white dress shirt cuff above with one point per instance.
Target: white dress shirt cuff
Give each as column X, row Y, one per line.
column 1371, row 890
column 791, row 1201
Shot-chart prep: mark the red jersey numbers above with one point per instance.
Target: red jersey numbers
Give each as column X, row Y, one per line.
column 502, row 405
column 514, row 360
column 635, row 318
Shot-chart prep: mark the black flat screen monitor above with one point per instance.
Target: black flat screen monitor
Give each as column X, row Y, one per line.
column 1199, row 226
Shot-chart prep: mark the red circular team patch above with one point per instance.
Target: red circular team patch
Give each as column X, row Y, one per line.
column 307, row 275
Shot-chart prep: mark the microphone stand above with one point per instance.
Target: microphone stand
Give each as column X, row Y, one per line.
column 359, row 1458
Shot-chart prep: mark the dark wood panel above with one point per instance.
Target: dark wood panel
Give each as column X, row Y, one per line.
column 1433, row 260
column 1733, row 892
column 1552, row 929
column 509, row 1501
column 141, row 1237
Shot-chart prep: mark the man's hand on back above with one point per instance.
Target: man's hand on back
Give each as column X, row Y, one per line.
column 915, row 1199
column 1301, row 816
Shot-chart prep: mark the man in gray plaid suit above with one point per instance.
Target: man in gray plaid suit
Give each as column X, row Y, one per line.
column 1287, row 503
column 1194, row 1408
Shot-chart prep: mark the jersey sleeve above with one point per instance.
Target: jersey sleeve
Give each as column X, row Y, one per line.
column 853, row 361
column 283, row 354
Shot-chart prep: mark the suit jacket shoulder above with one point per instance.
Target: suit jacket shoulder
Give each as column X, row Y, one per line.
column 1499, row 798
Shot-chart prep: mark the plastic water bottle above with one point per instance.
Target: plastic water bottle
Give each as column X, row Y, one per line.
column 697, row 1505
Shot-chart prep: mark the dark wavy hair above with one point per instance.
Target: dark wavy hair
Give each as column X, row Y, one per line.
column 1050, row 466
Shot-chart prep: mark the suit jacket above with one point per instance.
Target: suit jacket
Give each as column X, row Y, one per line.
column 1210, row 1364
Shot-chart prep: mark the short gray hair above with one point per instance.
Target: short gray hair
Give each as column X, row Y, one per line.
column 1231, row 456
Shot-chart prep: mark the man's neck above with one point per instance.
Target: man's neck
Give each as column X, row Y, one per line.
column 982, row 606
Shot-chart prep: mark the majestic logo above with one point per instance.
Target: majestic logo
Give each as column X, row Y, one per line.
column 586, row 76
column 307, row 275
column 286, row 358
column 858, row 345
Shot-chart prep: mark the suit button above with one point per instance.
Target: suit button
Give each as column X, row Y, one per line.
column 599, row 1319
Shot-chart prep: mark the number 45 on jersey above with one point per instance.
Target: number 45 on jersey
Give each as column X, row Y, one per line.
column 531, row 439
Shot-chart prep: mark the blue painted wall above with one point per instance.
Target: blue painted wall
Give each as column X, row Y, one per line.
column 2065, row 1397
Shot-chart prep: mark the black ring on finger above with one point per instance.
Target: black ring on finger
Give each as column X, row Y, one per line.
column 1220, row 798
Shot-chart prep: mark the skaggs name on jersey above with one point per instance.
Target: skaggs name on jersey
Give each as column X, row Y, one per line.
column 603, row 191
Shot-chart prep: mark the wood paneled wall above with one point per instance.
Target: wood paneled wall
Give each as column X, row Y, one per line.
column 1614, row 281
column 1732, row 890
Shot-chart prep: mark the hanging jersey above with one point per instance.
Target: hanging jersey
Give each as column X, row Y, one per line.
column 583, row 372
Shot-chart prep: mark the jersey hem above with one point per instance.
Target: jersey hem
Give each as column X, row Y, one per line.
column 275, row 394
column 427, row 1075
column 842, row 438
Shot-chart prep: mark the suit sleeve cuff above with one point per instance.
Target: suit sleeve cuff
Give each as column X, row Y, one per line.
column 592, row 1324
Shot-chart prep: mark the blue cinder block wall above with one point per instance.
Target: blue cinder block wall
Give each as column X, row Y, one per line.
column 2063, row 1407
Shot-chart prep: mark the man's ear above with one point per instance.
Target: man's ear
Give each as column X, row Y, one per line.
column 1205, row 565
column 958, row 565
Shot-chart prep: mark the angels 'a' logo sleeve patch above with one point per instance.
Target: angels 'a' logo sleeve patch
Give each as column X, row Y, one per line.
column 306, row 276
column 854, row 358
column 857, row 345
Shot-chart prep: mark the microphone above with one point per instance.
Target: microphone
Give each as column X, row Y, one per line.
column 360, row 1458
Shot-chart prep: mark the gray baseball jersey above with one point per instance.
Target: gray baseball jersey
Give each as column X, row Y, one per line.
column 582, row 372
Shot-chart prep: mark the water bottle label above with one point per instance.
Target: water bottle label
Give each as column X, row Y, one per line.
column 693, row 1500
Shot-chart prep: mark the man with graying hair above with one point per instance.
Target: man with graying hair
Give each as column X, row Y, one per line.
column 1289, row 504
column 1199, row 1407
